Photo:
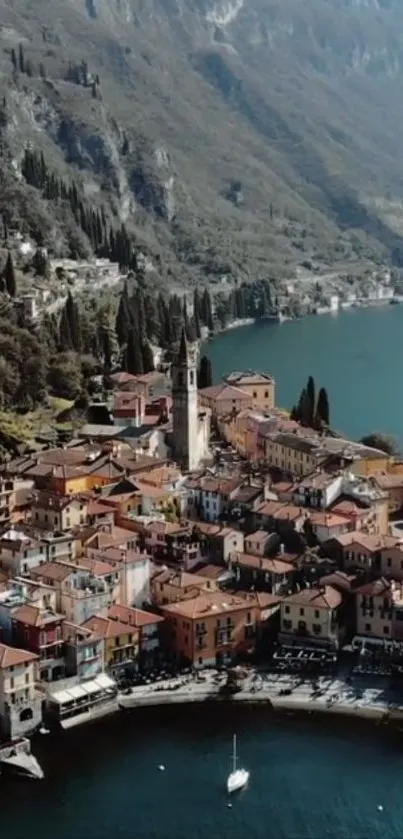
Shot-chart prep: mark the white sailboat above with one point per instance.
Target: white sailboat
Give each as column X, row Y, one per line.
column 238, row 778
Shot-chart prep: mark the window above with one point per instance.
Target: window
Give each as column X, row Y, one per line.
column 27, row 678
column 12, row 682
column 117, row 642
column 367, row 627
column 130, row 639
column 302, row 611
column 317, row 629
column 287, row 610
column 266, row 394
column 287, row 624
column 389, row 561
column 191, row 377
column 316, row 613
column 254, row 394
column 386, row 630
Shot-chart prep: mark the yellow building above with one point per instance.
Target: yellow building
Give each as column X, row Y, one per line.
column 292, row 453
column 121, row 642
column 312, row 615
column 259, row 386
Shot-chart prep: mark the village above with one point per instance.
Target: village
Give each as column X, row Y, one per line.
column 201, row 532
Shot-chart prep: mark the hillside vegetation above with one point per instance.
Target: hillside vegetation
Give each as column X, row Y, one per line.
column 231, row 139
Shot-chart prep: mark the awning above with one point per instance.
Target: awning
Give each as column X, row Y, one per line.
column 76, row 692
column 105, row 681
column 91, row 687
column 61, row 697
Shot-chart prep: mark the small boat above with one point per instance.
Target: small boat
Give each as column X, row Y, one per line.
column 238, row 778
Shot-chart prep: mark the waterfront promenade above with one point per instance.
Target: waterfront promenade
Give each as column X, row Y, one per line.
column 362, row 697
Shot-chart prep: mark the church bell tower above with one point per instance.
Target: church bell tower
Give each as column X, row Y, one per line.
column 185, row 406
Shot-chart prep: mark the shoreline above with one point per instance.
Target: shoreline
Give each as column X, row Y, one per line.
column 280, row 318
column 336, row 698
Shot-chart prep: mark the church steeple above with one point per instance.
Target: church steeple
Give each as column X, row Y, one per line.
column 183, row 354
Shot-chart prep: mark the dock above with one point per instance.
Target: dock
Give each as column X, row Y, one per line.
column 16, row 758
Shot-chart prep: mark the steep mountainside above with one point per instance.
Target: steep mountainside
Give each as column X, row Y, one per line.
column 237, row 137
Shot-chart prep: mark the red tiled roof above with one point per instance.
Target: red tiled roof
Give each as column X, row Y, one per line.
column 12, row 656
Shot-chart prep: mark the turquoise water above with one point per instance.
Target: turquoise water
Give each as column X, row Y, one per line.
column 357, row 355
column 308, row 780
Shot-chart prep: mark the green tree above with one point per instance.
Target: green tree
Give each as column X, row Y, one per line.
column 148, row 357
column 310, row 392
column 383, row 442
column 322, row 408
column 9, row 276
column 64, row 375
column 133, row 357
column 205, row 373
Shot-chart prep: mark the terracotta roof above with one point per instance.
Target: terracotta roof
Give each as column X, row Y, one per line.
column 97, row 508
column 55, row 571
column 51, row 501
column 270, row 508
column 387, row 480
column 262, row 599
column 376, row 588
column 319, row 598
column 12, row 656
column 369, row 542
column 206, row 604
column 180, row 579
column 106, row 627
column 264, row 563
column 339, row 580
column 98, row 567
column 324, row 519
column 258, row 536
column 136, row 618
column 33, row 616
column 224, row 392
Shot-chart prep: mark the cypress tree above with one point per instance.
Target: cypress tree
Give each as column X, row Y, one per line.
column 310, row 392
column 196, row 313
column 64, row 331
column 123, row 320
column 133, row 354
column 205, row 373
column 148, row 357
column 73, row 318
column 9, row 276
column 13, row 58
column 322, row 409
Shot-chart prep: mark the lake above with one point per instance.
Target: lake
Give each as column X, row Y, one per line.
column 357, row 355
column 309, row 779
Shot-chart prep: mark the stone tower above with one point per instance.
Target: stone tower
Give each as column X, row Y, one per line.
column 185, row 407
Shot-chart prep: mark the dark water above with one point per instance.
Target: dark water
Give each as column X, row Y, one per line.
column 309, row 779
column 356, row 355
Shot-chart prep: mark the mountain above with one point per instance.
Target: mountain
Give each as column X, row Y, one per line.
column 235, row 138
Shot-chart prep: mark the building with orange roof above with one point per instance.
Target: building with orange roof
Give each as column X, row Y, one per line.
column 169, row 586
column 224, row 399
column 20, row 703
column 121, row 642
column 212, row 629
column 325, row 525
column 272, row 574
column 312, row 617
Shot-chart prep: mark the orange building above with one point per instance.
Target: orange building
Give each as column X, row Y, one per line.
column 259, row 386
column 212, row 629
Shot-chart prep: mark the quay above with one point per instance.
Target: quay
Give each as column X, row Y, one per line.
column 279, row 691
column 16, row 758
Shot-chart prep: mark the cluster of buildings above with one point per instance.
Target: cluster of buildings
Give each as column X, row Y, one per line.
column 213, row 529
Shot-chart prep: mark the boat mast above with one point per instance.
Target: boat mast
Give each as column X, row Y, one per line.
column 234, row 755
